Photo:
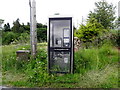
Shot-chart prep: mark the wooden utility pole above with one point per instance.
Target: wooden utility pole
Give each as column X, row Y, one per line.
column 33, row 31
column 118, row 15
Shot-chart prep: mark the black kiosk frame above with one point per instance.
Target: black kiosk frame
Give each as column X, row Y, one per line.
column 60, row 45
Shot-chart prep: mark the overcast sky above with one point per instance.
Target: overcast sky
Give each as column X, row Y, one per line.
column 10, row 10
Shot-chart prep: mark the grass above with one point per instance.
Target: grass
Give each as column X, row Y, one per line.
column 94, row 68
column 106, row 78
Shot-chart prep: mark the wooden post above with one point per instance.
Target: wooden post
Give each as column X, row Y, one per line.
column 33, row 31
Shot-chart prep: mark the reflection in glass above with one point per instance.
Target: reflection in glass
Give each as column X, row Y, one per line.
column 60, row 32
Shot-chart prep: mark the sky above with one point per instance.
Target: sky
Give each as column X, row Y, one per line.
column 10, row 10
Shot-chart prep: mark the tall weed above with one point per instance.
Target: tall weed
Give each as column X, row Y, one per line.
column 95, row 58
column 37, row 68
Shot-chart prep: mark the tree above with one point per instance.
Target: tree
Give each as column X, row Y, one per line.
column 42, row 34
column 7, row 27
column 117, row 23
column 27, row 28
column 88, row 32
column 16, row 26
column 39, row 25
column 104, row 13
column 1, row 22
column 8, row 37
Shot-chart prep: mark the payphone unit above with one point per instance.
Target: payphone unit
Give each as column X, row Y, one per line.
column 60, row 45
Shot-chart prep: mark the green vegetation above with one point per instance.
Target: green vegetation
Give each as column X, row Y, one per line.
column 94, row 68
column 104, row 13
column 95, row 64
column 98, row 25
column 88, row 32
column 20, row 33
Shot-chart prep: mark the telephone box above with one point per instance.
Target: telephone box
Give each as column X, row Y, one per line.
column 60, row 45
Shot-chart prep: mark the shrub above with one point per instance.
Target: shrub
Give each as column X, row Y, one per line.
column 42, row 34
column 115, row 37
column 112, row 37
column 37, row 69
column 8, row 37
column 8, row 62
column 88, row 32
column 22, row 39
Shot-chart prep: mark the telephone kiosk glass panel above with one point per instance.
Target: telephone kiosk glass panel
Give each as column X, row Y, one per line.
column 60, row 33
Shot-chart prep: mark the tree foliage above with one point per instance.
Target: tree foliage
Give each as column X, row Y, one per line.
column 117, row 23
column 1, row 22
column 42, row 34
column 7, row 27
column 88, row 32
column 20, row 33
column 104, row 13
column 8, row 37
column 16, row 26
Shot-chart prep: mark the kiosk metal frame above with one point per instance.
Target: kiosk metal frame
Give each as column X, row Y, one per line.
column 60, row 50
